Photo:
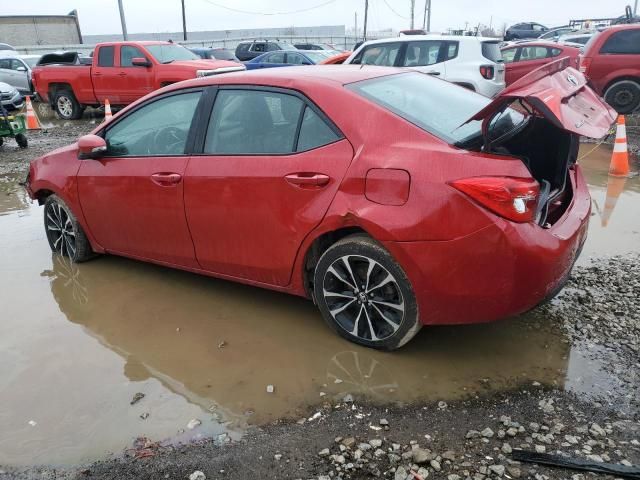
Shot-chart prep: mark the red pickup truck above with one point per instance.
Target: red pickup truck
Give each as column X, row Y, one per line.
column 121, row 72
column 611, row 61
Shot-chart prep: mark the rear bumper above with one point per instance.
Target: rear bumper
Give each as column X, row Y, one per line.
column 502, row 270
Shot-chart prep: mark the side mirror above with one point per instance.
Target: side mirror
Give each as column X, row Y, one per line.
column 140, row 62
column 21, row 69
column 91, row 147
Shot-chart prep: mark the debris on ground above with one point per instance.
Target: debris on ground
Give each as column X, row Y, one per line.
column 136, row 398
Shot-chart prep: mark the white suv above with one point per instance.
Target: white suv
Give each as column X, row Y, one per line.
column 472, row 62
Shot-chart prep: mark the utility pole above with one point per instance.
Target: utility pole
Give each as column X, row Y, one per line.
column 635, row 8
column 355, row 26
column 184, row 23
column 413, row 8
column 125, row 37
column 366, row 16
column 426, row 20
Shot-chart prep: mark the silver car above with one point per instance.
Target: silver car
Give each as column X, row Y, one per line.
column 10, row 98
column 16, row 71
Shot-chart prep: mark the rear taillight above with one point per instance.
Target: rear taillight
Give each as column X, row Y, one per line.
column 487, row 71
column 585, row 63
column 513, row 198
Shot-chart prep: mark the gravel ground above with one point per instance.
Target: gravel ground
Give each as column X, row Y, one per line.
column 471, row 439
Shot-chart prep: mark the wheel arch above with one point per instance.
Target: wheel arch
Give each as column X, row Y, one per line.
column 622, row 78
column 54, row 88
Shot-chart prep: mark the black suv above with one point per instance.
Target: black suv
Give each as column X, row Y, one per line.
column 250, row 50
column 524, row 30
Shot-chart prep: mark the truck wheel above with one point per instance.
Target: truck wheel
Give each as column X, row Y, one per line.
column 21, row 138
column 623, row 96
column 66, row 105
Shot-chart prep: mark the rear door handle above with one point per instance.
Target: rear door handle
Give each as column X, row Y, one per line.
column 166, row 179
column 307, row 179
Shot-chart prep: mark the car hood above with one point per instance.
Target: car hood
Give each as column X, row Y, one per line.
column 6, row 88
column 205, row 64
column 561, row 95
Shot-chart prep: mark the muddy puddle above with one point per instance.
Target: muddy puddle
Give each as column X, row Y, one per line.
column 77, row 342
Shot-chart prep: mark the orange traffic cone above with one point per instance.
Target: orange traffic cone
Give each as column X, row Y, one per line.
column 32, row 119
column 620, row 158
column 107, row 110
column 615, row 186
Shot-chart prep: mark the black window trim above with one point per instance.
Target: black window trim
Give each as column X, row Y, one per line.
column 205, row 110
column 191, row 136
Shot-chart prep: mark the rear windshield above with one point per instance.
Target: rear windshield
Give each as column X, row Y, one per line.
column 171, row 53
column 438, row 107
column 491, row 51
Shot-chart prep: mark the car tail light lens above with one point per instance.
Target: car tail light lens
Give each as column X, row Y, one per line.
column 487, row 71
column 585, row 63
column 513, row 198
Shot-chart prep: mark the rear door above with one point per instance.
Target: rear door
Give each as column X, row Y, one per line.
column 429, row 56
column 560, row 94
column 104, row 75
column 269, row 166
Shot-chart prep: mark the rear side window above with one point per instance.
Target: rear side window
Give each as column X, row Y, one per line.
column 533, row 53
column 384, row 54
column 258, row 47
column 314, row 132
column 275, row 58
column 452, row 50
column 555, row 52
column 105, row 56
column 419, row 54
column 623, row 43
column 509, row 54
column 491, row 51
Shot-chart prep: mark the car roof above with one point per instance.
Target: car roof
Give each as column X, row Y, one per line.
column 432, row 36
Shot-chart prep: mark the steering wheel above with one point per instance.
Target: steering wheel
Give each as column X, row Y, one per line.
column 169, row 140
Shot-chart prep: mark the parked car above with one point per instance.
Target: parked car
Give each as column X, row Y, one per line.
column 576, row 38
column 249, row 50
column 5, row 47
column 472, row 62
column 414, row 216
column 10, row 98
column 336, row 59
column 215, row 54
column 16, row 71
column 611, row 61
column 522, row 58
column 525, row 30
column 287, row 58
column 121, row 72
column 554, row 33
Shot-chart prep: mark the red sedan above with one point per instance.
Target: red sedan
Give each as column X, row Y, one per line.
column 522, row 58
column 374, row 191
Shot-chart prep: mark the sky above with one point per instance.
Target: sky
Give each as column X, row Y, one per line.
column 101, row 16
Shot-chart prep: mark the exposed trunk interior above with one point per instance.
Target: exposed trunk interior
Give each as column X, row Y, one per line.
column 548, row 152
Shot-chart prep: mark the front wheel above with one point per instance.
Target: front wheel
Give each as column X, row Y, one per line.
column 64, row 233
column 623, row 96
column 364, row 295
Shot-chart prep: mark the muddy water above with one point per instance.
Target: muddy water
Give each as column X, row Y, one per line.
column 78, row 341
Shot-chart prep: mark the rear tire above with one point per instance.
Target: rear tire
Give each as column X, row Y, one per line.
column 66, row 105
column 364, row 295
column 21, row 138
column 623, row 96
column 65, row 235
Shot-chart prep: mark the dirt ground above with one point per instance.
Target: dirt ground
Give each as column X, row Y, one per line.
column 470, row 438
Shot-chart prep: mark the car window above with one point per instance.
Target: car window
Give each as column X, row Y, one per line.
column 242, row 48
column 128, row 53
column 250, row 122
column 509, row 54
column 378, row 54
column 555, row 52
column 452, row 50
column 314, row 132
column 532, row 53
column 168, row 53
column 419, row 54
column 491, row 51
column 158, row 128
column 272, row 47
column 538, row 28
column 295, row 59
column 105, row 56
column 5, row 63
column 277, row 57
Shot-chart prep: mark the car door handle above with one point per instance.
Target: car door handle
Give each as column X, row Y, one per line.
column 433, row 72
column 166, row 179
column 307, row 179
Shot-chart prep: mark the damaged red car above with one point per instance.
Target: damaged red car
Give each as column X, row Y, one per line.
column 390, row 198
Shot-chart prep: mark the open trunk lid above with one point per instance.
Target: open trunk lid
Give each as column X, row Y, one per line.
column 559, row 93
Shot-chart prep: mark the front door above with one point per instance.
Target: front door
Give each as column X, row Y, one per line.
column 270, row 165
column 133, row 198
column 133, row 81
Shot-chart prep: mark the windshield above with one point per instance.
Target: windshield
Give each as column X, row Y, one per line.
column 31, row 61
column 438, row 107
column 317, row 56
column 171, row 53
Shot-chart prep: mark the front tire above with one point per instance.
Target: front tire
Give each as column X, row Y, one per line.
column 623, row 96
column 65, row 235
column 66, row 105
column 364, row 295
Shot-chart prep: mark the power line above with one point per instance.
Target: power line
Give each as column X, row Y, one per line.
column 237, row 10
column 391, row 8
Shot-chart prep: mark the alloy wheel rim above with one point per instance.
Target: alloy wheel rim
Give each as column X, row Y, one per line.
column 60, row 230
column 363, row 298
column 64, row 106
